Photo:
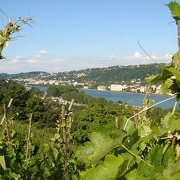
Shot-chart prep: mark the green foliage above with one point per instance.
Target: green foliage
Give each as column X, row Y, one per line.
column 98, row 147
column 96, row 115
column 149, row 157
column 169, row 79
column 53, row 91
column 108, row 169
column 11, row 28
column 174, row 6
column 59, row 90
column 45, row 112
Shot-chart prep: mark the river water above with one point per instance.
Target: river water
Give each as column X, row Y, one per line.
column 133, row 98
column 129, row 98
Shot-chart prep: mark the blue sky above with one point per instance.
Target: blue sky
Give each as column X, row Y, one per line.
column 78, row 34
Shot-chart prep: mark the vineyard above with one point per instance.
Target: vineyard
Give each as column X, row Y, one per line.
column 98, row 140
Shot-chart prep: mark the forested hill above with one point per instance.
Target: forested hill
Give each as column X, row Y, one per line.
column 114, row 74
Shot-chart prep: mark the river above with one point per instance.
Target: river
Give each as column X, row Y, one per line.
column 133, row 98
column 129, row 98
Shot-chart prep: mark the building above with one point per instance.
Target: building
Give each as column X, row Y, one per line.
column 116, row 87
column 101, row 88
column 143, row 89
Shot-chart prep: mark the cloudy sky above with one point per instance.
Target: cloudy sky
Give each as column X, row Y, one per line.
column 78, row 34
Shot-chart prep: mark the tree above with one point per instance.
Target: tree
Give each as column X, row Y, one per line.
column 53, row 91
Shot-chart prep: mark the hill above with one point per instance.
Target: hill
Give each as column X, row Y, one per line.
column 108, row 75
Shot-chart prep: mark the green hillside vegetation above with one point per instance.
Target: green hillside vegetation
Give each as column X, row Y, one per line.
column 114, row 74
column 98, row 115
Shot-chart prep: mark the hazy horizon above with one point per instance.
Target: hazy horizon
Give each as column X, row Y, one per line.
column 73, row 35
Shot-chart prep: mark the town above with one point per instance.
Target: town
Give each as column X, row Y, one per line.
column 115, row 78
column 135, row 86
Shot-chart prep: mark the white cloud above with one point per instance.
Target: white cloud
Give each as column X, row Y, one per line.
column 16, row 60
column 50, row 64
column 42, row 52
column 137, row 55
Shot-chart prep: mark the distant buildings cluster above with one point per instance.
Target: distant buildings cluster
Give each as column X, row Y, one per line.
column 135, row 86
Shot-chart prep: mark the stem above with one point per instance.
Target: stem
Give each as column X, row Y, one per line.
column 65, row 147
column 136, row 156
column 178, row 23
column 7, row 109
column 175, row 105
column 7, row 126
column 28, row 138
column 64, row 133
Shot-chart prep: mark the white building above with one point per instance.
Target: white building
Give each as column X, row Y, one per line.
column 143, row 89
column 116, row 87
column 158, row 89
column 101, row 88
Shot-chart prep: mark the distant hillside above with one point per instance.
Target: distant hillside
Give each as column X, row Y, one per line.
column 114, row 74
column 34, row 74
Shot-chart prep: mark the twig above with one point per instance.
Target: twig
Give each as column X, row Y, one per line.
column 7, row 109
column 175, row 105
column 28, row 137
column 4, row 14
column 7, row 126
column 65, row 146
column 125, row 126
column 148, row 54
column 136, row 156
column 72, row 101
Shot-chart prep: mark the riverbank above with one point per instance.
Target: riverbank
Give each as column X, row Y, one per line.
column 127, row 92
column 135, row 99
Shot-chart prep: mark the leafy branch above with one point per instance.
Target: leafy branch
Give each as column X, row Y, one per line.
column 11, row 27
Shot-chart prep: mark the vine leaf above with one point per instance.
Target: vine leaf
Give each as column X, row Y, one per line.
column 155, row 157
column 174, row 7
column 2, row 162
column 134, row 174
column 144, row 130
column 98, row 147
column 174, row 72
column 108, row 169
column 165, row 88
column 170, row 79
column 171, row 122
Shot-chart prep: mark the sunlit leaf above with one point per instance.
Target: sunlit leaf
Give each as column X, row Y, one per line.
column 174, row 123
column 146, row 170
column 165, row 88
column 151, row 79
column 99, row 146
column 144, row 130
column 155, row 157
column 171, row 122
column 174, row 6
column 2, row 162
column 134, row 174
column 174, row 72
column 108, row 169
column 168, row 162
column 175, row 176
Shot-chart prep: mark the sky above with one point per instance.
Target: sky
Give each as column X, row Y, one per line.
column 67, row 35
